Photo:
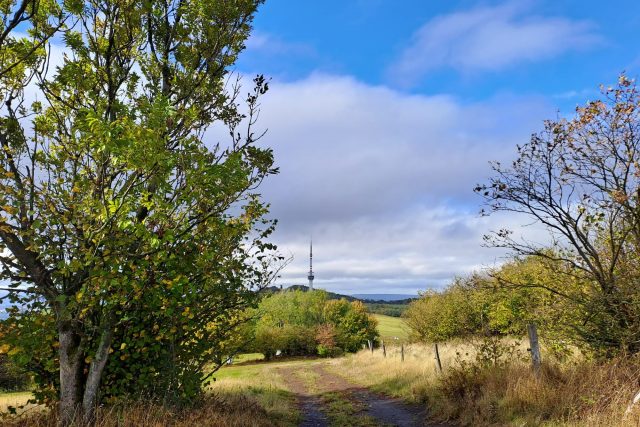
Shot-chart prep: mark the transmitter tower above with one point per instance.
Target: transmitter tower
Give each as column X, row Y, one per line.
column 310, row 276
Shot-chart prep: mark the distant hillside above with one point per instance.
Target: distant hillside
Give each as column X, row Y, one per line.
column 304, row 288
column 376, row 303
column 366, row 298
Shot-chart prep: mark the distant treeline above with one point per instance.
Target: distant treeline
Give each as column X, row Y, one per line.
column 389, row 308
column 395, row 309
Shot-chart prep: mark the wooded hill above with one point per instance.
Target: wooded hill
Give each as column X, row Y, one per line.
column 390, row 308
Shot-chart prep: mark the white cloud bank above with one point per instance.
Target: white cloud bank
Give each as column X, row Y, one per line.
column 383, row 180
column 489, row 38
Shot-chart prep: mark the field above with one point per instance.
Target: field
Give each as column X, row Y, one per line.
column 14, row 399
column 392, row 329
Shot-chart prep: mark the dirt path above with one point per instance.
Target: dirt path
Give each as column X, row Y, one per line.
column 310, row 404
column 327, row 399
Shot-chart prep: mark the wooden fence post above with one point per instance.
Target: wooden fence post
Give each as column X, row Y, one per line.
column 436, row 352
column 384, row 349
column 534, row 347
column 402, row 352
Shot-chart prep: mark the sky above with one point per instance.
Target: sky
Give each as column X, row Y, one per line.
column 383, row 116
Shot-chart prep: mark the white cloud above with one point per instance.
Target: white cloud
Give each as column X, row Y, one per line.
column 488, row 39
column 383, row 180
column 268, row 44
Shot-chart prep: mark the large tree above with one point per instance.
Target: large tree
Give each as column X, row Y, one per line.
column 580, row 179
column 118, row 221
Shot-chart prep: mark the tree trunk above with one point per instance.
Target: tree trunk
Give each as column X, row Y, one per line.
column 71, row 375
column 96, row 368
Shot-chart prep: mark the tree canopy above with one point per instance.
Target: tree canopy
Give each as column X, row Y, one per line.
column 130, row 236
column 580, row 179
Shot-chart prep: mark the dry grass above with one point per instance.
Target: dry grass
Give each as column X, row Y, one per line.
column 401, row 379
column 231, row 411
column 247, row 395
column 262, row 382
column 576, row 393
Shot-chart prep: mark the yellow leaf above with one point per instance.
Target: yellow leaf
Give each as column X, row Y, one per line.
column 9, row 209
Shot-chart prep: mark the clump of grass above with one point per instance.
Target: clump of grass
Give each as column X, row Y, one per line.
column 343, row 411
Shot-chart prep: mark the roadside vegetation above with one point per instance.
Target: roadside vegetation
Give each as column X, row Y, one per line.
column 472, row 390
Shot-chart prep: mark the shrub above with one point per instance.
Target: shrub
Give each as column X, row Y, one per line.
column 326, row 339
column 440, row 316
column 353, row 324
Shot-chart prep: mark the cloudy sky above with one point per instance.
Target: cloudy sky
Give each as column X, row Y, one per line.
column 383, row 115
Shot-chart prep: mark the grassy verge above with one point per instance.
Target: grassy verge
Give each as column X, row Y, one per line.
column 262, row 383
column 575, row 393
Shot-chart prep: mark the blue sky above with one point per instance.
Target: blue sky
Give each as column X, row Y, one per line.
column 384, row 114
column 367, row 38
